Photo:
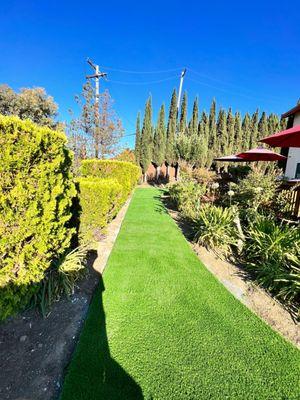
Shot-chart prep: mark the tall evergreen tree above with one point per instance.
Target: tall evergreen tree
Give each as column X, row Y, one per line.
column 254, row 130
column 212, row 124
column 183, row 114
column 137, row 149
column 238, row 134
column 222, row 138
column 159, row 140
column 246, row 128
column 230, row 131
column 193, row 125
column 171, row 131
column 263, row 129
column 146, row 139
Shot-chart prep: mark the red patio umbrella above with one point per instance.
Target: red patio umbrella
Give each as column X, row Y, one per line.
column 288, row 138
column 260, row 154
column 233, row 158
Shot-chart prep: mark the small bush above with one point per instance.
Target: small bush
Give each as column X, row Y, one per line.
column 126, row 173
column 187, row 196
column 256, row 190
column 215, row 228
column 36, row 193
column 100, row 200
column 204, row 176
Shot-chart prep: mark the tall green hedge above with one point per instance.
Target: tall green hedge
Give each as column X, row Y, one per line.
column 124, row 172
column 100, row 200
column 36, row 193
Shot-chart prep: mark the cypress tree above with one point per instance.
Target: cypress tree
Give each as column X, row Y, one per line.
column 246, row 128
column 212, row 125
column 183, row 114
column 159, row 141
column 230, row 131
column 137, row 149
column 193, row 125
column 203, row 132
column 171, row 131
column 222, row 138
column 146, row 139
column 273, row 124
column 263, row 128
column 254, row 130
column 238, row 134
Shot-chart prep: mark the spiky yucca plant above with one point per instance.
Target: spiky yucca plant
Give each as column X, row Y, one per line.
column 215, row 228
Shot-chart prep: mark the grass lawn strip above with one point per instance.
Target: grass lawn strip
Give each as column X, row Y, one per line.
column 160, row 326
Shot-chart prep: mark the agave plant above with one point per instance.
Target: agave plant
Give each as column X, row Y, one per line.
column 215, row 227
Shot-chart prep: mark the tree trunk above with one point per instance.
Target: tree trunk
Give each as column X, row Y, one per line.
column 145, row 177
column 157, row 173
column 178, row 173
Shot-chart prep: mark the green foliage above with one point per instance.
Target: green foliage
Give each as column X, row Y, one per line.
column 100, row 200
column 170, row 155
column 215, row 227
column 137, row 148
column 60, row 279
column 256, row 190
column 33, row 104
column 147, row 138
column 36, row 194
column 272, row 254
column 159, row 140
column 126, row 173
column 187, row 196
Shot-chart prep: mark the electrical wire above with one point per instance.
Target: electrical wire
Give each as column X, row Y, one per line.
column 143, row 83
column 231, row 85
column 229, row 91
column 142, row 72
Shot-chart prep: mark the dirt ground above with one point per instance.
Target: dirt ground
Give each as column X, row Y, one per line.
column 238, row 283
column 34, row 351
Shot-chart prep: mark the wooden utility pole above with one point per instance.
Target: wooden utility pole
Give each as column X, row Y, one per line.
column 97, row 75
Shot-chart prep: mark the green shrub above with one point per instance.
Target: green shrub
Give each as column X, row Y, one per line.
column 100, row 200
column 36, row 193
column 126, row 173
column 216, row 228
column 272, row 254
column 256, row 190
column 187, row 196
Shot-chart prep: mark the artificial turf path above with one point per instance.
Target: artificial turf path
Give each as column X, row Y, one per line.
column 165, row 328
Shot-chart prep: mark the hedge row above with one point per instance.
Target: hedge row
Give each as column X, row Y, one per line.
column 36, row 194
column 124, row 172
column 100, row 200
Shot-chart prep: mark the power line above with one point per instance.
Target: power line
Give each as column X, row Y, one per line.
column 143, row 83
column 143, row 72
column 229, row 84
column 230, row 91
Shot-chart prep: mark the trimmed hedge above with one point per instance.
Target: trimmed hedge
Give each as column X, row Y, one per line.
column 36, row 193
column 126, row 173
column 100, row 200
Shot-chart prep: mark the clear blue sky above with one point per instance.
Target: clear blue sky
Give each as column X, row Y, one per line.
column 246, row 55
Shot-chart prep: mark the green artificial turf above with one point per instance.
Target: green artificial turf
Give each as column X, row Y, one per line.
column 164, row 328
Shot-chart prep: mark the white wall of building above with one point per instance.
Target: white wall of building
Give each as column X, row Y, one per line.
column 293, row 155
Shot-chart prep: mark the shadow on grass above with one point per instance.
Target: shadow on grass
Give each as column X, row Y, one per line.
column 93, row 373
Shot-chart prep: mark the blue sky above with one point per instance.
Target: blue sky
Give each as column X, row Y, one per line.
column 245, row 55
